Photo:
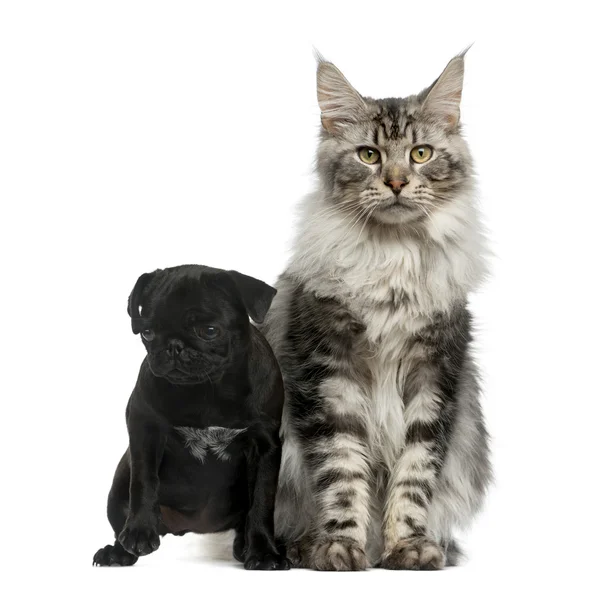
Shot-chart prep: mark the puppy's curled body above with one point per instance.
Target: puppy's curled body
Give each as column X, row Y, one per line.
column 203, row 419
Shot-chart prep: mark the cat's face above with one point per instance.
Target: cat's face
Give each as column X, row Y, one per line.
column 392, row 161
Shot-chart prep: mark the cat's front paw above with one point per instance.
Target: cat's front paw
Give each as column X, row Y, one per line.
column 338, row 554
column 414, row 554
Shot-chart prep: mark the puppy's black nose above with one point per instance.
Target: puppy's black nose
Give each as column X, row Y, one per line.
column 175, row 347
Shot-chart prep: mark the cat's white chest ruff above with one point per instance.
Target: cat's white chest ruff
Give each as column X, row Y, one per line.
column 211, row 439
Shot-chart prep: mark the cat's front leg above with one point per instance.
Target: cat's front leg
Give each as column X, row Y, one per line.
column 336, row 454
column 407, row 543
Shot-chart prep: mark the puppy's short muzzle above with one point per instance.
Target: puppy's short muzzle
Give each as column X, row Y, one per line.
column 174, row 347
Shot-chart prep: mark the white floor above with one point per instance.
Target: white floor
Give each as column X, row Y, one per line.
column 203, row 562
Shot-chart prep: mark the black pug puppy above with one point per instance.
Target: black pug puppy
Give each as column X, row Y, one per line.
column 203, row 419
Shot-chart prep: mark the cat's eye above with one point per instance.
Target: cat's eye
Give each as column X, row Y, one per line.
column 148, row 335
column 421, row 154
column 369, row 155
column 207, row 332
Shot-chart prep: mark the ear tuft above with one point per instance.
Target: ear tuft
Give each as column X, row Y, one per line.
column 339, row 102
column 256, row 295
column 442, row 99
column 137, row 298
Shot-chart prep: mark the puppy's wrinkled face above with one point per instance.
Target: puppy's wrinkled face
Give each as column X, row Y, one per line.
column 193, row 327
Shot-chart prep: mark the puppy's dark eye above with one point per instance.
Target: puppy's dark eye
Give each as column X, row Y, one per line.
column 208, row 333
column 148, row 334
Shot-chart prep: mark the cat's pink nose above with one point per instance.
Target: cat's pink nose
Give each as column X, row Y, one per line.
column 396, row 184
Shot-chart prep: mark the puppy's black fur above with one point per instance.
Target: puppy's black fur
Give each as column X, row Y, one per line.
column 203, row 418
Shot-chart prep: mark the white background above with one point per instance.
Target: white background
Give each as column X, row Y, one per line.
column 137, row 135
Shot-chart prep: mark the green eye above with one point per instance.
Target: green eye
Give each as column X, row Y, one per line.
column 420, row 154
column 369, row 155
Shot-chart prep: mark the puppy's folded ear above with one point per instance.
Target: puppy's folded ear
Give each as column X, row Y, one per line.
column 137, row 300
column 256, row 295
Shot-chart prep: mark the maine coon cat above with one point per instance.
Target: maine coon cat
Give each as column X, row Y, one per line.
column 385, row 449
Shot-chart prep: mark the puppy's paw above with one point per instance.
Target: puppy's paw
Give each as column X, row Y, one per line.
column 114, row 556
column 414, row 554
column 338, row 554
column 239, row 549
column 266, row 561
column 139, row 539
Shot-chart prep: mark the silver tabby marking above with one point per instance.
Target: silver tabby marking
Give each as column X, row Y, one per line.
column 385, row 449
column 214, row 439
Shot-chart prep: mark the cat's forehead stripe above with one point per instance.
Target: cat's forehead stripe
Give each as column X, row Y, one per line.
column 393, row 124
column 394, row 132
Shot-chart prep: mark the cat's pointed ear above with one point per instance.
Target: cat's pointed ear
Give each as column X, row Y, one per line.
column 442, row 98
column 338, row 100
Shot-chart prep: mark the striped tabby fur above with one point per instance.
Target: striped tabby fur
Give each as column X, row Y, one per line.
column 385, row 450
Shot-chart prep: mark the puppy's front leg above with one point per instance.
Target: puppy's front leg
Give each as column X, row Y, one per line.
column 146, row 447
column 261, row 550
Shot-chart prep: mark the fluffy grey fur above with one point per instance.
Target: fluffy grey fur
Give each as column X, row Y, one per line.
column 213, row 439
column 385, row 449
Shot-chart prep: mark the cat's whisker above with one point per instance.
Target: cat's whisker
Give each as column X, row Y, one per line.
column 369, row 216
column 364, row 212
column 356, row 215
column 424, row 210
column 332, row 211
